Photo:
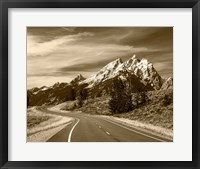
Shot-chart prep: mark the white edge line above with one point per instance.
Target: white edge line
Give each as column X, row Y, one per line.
column 70, row 134
column 134, row 131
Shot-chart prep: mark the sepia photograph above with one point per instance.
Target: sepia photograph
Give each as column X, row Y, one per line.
column 99, row 84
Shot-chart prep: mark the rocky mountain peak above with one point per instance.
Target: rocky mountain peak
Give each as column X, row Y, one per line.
column 134, row 56
column 114, row 64
column 80, row 77
column 132, row 61
column 77, row 79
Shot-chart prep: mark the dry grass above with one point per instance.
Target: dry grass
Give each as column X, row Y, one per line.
column 35, row 120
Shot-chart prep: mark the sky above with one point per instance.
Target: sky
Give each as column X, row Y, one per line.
column 59, row 54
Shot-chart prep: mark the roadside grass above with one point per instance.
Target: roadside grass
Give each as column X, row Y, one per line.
column 35, row 120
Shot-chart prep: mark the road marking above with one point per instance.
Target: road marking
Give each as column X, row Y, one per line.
column 134, row 131
column 70, row 134
column 107, row 133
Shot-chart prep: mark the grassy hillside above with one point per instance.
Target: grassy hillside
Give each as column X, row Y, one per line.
column 35, row 120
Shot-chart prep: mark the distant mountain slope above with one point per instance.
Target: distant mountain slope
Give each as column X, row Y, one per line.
column 58, row 93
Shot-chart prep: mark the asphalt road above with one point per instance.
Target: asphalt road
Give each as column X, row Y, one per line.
column 89, row 128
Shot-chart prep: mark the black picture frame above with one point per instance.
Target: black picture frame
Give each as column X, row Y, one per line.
column 6, row 4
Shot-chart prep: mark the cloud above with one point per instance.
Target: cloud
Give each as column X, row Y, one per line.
column 37, row 48
column 62, row 52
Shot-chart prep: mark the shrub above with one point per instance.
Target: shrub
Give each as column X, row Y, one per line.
column 140, row 98
column 168, row 99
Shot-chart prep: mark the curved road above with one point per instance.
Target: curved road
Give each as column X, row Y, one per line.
column 89, row 128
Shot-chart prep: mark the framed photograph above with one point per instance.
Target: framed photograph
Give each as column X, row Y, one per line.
column 102, row 84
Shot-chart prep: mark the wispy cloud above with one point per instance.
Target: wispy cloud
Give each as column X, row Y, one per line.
column 37, row 48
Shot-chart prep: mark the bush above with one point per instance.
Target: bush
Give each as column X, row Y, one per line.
column 140, row 99
column 168, row 99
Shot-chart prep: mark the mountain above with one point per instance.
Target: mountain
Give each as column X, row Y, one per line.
column 167, row 84
column 142, row 69
column 136, row 75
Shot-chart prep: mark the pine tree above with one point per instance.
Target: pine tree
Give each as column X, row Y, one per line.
column 120, row 100
column 79, row 98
